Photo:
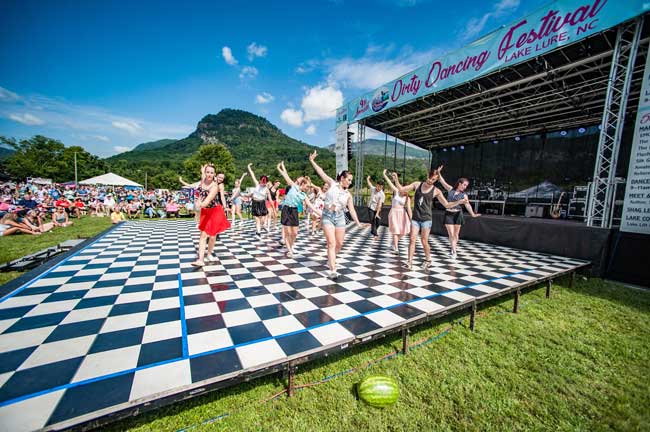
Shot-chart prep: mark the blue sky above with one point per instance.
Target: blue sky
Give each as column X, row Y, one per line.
column 108, row 75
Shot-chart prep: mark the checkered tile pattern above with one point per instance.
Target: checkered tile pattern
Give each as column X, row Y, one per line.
column 128, row 318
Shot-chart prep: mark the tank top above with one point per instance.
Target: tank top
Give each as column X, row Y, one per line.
column 274, row 194
column 455, row 195
column 336, row 198
column 259, row 193
column 398, row 202
column 203, row 194
column 422, row 211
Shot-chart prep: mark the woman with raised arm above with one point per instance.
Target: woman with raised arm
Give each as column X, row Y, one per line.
column 319, row 203
column 272, row 206
column 213, row 220
column 295, row 195
column 337, row 199
column 454, row 215
column 260, row 196
column 375, row 205
column 236, row 201
column 399, row 218
column 421, row 222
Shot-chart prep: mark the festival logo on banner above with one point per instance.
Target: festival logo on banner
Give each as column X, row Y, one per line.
column 361, row 107
column 380, row 99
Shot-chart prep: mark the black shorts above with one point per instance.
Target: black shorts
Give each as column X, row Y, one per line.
column 259, row 208
column 289, row 216
column 454, row 218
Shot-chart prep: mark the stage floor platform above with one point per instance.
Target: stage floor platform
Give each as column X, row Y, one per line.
column 126, row 322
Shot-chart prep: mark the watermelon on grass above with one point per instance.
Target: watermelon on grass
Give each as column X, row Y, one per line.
column 378, row 391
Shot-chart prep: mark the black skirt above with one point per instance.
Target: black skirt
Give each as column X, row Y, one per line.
column 259, row 208
column 289, row 216
column 454, row 218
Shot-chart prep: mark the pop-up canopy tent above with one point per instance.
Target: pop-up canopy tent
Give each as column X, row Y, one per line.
column 110, row 179
column 545, row 189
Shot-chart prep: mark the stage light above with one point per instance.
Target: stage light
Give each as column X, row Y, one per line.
column 600, row 127
column 517, row 138
column 495, row 142
column 462, row 147
column 582, row 130
column 444, row 149
column 563, row 133
column 453, row 149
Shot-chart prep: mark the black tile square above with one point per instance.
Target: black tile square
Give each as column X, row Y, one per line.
column 233, row 305
column 271, row 311
column 15, row 312
column 367, row 293
column 80, row 400
column 38, row 290
column 96, row 266
column 242, row 277
column 297, row 343
column 212, row 365
column 204, row 324
column 406, row 311
column 364, row 306
column 248, row 332
column 250, row 292
column 287, row 296
column 74, row 330
column 28, row 323
column 129, row 308
column 84, row 278
column 109, row 283
column 198, row 299
column 195, row 282
column 95, row 302
column 137, row 288
column 360, row 325
column 301, row 284
column 313, row 318
column 166, row 278
column 70, row 295
column 403, row 296
column 325, row 301
column 143, row 273
column 39, row 378
column 117, row 339
column 270, row 281
column 119, row 268
column 165, row 315
column 11, row 360
column 159, row 351
column 59, row 274
column 442, row 300
column 165, row 293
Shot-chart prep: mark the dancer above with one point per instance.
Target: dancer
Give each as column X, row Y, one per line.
column 375, row 205
column 319, row 203
column 399, row 218
column 213, row 219
column 272, row 206
column 296, row 194
column 260, row 196
column 421, row 222
column 236, row 201
column 337, row 199
column 454, row 215
column 197, row 208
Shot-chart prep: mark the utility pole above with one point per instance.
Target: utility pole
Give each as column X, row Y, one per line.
column 145, row 181
column 76, row 186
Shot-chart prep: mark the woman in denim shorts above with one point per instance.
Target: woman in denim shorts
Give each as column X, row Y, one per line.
column 337, row 199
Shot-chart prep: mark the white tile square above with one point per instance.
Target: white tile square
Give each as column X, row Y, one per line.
column 386, row 289
column 298, row 306
column 87, row 314
column 154, row 380
column 283, row 325
column 40, row 408
column 262, row 300
column 331, row 334
column 55, row 281
column 103, row 292
column 60, row 350
column 248, row 283
column 52, row 307
column 199, row 310
column 165, row 285
column 353, row 285
column 259, row 354
column 134, row 297
column 292, row 278
column 311, row 292
column 164, row 303
column 26, row 300
column 230, row 294
column 162, row 331
column 5, row 324
column 448, row 285
column 107, row 362
column 347, row 296
column 240, row 317
column 420, row 292
column 385, row 318
column 196, row 289
column 123, row 322
column 340, row 311
column 458, row 296
column 384, row 301
column 77, row 286
column 278, row 287
column 208, row 341
column 24, row 339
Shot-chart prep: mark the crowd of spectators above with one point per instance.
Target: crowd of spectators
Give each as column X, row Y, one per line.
column 34, row 209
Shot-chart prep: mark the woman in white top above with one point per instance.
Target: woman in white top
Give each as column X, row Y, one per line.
column 337, row 199
column 261, row 194
column 236, row 201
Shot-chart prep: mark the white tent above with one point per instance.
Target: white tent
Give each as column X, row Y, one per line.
column 545, row 189
column 110, row 179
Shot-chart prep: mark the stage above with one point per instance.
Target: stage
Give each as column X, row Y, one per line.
column 125, row 323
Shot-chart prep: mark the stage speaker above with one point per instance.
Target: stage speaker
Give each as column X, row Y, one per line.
column 580, row 192
column 577, row 209
column 534, row 211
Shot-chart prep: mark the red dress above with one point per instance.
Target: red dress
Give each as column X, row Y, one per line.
column 213, row 219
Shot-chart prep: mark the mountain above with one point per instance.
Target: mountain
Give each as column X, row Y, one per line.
column 153, row 145
column 5, row 152
column 377, row 146
column 249, row 138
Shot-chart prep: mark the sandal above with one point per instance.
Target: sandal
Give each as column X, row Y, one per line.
column 198, row 263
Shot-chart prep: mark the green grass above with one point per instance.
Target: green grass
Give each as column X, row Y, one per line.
column 578, row 361
column 19, row 245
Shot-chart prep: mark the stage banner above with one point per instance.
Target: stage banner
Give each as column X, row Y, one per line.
column 560, row 23
column 341, row 146
column 636, row 206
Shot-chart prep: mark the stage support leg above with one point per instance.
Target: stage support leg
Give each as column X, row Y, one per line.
column 291, row 381
column 405, row 341
column 548, row 288
column 472, row 317
column 515, row 308
column 572, row 279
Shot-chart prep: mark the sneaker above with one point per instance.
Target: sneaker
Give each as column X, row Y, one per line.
column 289, row 254
column 454, row 256
column 282, row 242
column 333, row 275
column 396, row 251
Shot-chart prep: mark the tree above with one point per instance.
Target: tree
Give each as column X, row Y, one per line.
column 216, row 154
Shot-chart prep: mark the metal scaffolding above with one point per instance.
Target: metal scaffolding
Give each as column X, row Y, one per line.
column 358, row 172
column 601, row 203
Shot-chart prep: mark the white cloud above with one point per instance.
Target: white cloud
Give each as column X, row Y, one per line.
column 264, row 98
column 121, row 149
column 306, row 67
column 320, row 102
column 27, row 119
column 476, row 25
column 129, row 126
column 248, row 72
column 311, row 129
column 255, row 50
column 102, row 138
column 226, row 52
column 292, row 117
column 8, row 96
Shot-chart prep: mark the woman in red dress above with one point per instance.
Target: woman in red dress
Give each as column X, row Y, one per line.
column 213, row 218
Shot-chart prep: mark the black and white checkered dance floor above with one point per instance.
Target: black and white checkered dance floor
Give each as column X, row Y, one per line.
column 127, row 320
